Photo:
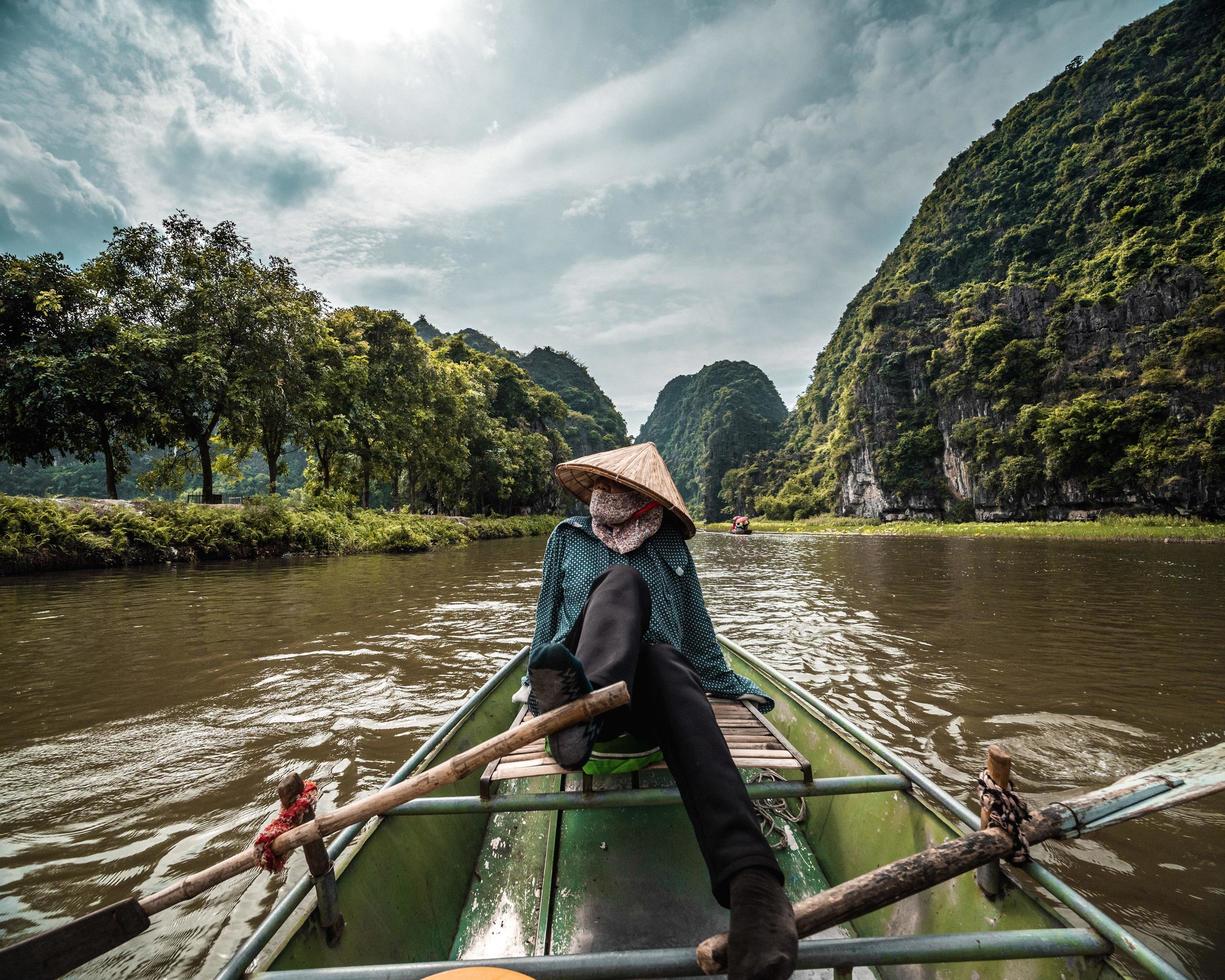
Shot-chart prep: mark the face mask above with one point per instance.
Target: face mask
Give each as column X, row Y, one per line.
column 623, row 521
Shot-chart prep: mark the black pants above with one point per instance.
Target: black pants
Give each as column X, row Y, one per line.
column 668, row 706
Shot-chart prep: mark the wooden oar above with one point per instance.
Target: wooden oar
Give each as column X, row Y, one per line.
column 54, row 953
column 1169, row 783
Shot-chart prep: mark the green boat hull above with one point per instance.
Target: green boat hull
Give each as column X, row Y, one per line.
column 445, row 886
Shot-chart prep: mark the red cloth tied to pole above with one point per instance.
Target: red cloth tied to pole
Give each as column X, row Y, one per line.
column 289, row 816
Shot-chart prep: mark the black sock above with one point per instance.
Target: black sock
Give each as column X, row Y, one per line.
column 762, row 941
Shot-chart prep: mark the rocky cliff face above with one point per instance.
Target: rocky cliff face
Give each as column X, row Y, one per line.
column 1087, row 341
column 1048, row 337
column 708, row 423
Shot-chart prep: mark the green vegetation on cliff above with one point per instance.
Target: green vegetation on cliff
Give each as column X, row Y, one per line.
column 1049, row 334
column 593, row 423
column 708, row 423
column 40, row 535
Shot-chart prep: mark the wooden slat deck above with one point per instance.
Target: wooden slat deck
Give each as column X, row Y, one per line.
column 754, row 744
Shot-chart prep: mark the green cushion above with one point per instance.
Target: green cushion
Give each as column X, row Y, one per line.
column 625, row 753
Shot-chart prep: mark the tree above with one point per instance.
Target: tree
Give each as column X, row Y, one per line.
column 386, row 380
column 438, row 468
column 288, row 330
column 199, row 292
column 74, row 377
column 322, row 418
column 514, row 440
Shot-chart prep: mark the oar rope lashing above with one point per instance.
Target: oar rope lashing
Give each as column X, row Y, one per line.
column 1006, row 810
column 774, row 814
column 287, row 819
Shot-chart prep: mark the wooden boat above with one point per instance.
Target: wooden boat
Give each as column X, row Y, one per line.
column 539, row 876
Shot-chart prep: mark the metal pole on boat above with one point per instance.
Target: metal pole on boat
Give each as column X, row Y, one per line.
column 323, row 873
column 999, row 766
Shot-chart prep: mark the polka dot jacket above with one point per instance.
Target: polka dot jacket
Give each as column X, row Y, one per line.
column 574, row 558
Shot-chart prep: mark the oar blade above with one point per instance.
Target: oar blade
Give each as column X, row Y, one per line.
column 1188, row 777
column 53, row 953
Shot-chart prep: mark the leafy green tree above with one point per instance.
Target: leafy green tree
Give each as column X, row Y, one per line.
column 514, row 439
column 74, row 376
column 437, row 466
column 386, row 380
column 282, row 356
column 200, row 294
column 333, row 363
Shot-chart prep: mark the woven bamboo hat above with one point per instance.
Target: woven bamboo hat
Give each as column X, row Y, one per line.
column 639, row 467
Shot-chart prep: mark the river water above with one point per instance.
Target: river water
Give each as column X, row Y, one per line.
column 149, row 712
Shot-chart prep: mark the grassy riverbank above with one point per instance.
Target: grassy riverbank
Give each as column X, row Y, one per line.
column 1151, row 528
column 42, row 535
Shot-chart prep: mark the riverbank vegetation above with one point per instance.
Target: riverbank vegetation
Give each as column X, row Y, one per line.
column 178, row 339
column 1107, row 528
column 41, row 535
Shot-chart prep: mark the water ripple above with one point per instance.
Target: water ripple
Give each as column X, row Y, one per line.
column 151, row 711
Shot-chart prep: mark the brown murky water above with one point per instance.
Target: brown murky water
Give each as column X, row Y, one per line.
column 149, row 712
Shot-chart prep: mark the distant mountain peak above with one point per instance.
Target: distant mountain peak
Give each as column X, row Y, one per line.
column 425, row 330
column 594, row 424
column 710, row 422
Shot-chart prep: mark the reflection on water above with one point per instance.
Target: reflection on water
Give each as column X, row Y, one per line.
column 1088, row 660
column 151, row 712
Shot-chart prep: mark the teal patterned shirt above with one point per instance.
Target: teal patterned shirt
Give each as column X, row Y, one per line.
column 574, row 558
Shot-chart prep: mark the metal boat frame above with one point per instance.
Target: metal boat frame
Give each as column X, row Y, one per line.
column 1102, row 937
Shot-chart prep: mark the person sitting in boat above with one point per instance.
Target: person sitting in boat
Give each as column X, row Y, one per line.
column 620, row 601
column 740, row 525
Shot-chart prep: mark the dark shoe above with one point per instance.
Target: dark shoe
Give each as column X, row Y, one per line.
column 762, row 943
column 558, row 678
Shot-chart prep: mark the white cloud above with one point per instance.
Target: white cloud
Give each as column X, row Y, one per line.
column 365, row 283
column 38, row 189
column 723, row 196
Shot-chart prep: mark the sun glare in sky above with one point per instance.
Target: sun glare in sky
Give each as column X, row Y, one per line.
column 368, row 21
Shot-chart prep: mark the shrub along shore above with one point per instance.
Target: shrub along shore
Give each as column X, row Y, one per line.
column 1106, row 528
column 44, row 535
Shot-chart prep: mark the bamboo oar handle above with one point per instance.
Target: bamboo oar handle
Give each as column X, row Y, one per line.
column 1174, row 781
column 907, row 876
column 454, row 769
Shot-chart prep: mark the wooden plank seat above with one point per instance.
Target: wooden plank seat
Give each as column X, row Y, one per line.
column 753, row 741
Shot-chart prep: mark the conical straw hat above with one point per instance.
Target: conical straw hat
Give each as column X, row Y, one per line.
column 639, row 467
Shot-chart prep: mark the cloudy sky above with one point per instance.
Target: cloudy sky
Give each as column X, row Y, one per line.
column 650, row 185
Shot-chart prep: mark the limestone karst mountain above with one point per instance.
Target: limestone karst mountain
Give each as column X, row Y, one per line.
column 708, row 423
column 1048, row 336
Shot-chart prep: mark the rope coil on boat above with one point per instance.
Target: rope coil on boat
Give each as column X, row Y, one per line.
column 1006, row 810
column 288, row 818
column 775, row 815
